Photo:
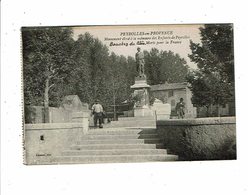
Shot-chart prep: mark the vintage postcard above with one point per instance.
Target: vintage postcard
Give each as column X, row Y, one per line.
column 128, row 93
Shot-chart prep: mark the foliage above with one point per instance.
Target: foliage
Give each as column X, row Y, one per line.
column 213, row 82
column 164, row 66
column 55, row 65
column 47, row 55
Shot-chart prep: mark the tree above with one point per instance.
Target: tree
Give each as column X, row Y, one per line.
column 213, row 82
column 161, row 66
column 48, row 58
column 55, row 65
column 119, row 77
column 89, row 78
column 153, row 65
column 174, row 68
column 98, row 75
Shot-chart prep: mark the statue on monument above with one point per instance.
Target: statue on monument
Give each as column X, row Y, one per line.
column 140, row 95
column 140, row 62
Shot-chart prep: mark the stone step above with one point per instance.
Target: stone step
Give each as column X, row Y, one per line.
column 113, row 159
column 121, row 131
column 114, row 152
column 137, row 118
column 132, row 123
column 122, row 141
column 116, row 146
column 120, row 136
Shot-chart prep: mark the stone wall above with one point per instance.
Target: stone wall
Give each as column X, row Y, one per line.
column 70, row 105
column 35, row 114
column 200, row 139
column 59, row 115
column 44, row 141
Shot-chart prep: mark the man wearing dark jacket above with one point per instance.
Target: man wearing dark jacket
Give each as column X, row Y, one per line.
column 180, row 109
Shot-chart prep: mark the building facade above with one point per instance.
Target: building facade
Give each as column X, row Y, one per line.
column 171, row 93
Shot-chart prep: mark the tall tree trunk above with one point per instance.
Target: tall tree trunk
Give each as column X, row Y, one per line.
column 46, row 101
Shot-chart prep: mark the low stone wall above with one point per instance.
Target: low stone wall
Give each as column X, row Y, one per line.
column 201, row 138
column 35, row 114
column 59, row 115
column 43, row 141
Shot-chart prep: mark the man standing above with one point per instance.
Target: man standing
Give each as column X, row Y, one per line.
column 180, row 109
column 140, row 62
column 97, row 111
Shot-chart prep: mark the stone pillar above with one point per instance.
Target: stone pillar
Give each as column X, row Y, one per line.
column 141, row 97
column 81, row 117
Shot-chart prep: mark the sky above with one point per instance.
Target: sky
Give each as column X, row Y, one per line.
column 124, row 40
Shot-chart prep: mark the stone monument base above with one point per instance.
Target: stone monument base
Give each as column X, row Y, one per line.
column 141, row 89
column 140, row 83
column 143, row 112
column 163, row 111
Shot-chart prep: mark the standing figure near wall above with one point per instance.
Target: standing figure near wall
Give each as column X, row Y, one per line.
column 180, row 107
column 140, row 63
column 97, row 111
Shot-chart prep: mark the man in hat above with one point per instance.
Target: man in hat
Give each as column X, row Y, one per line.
column 97, row 111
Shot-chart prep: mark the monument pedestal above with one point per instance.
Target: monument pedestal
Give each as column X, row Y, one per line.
column 141, row 97
column 143, row 112
column 163, row 111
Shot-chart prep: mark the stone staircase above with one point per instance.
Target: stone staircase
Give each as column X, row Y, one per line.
column 116, row 145
column 138, row 122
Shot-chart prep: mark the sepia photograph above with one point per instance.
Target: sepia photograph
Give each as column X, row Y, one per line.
column 128, row 93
